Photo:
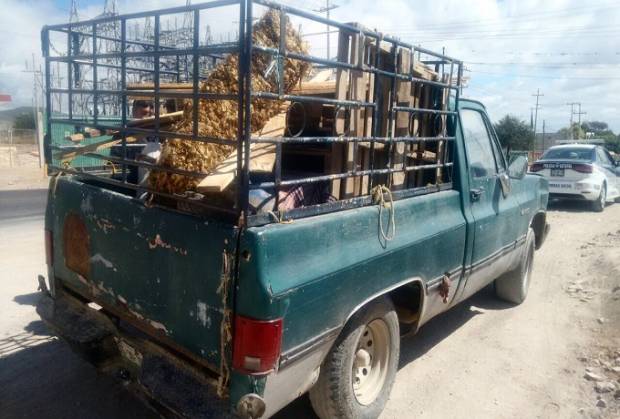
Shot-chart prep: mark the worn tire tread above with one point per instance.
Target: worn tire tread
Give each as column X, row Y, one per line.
column 508, row 286
column 326, row 397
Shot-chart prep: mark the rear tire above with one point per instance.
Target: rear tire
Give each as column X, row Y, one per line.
column 513, row 286
column 357, row 375
column 599, row 204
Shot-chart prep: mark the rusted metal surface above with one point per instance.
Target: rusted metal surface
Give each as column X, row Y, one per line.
column 163, row 378
column 76, row 245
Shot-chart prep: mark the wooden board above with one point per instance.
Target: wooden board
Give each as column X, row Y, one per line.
column 76, row 138
column 404, row 97
column 262, row 160
column 262, row 157
column 342, row 82
column 149, row 121
column 315, row 88
column 67, row 156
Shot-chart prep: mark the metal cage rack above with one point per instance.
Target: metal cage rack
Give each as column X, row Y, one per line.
column 392, row 127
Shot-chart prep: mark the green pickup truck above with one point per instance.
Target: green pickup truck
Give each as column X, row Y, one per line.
column 209, row 316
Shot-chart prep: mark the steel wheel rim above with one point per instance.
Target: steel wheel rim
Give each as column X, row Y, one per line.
column 370, row 366
column 603, row 196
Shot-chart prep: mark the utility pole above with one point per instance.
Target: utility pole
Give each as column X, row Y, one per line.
column 538, row 95
column 543, row 137
column 326, row 10
column 572, row 112
column 36, row 75
column 580, row 113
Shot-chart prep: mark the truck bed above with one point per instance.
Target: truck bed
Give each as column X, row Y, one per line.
column 169, row 275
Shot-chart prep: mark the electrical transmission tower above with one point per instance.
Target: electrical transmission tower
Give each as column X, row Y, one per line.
column 572, row 113
column 73, row 12
column 326, row 10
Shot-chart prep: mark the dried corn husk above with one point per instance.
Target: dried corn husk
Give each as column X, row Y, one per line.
column 218, row 118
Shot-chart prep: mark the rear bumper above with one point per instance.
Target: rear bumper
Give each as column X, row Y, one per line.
column 579, row 190
column 162, row 379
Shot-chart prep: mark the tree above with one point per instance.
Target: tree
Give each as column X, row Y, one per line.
column 514, row 133
column 595, row 126
column 24, row 120
column 613, row 144
column 577, row 132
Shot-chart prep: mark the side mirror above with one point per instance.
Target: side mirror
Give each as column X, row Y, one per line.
column 518, row 168
column 504, row 181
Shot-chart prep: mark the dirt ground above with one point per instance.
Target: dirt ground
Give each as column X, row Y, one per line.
column 555, row 356
column 19, row 168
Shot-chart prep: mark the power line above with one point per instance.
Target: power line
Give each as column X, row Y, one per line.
column 544, row 64
column 542, row 76
column 515, row 31
column 540, row 15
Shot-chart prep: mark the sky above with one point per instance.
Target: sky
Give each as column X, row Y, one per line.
column 569, row 49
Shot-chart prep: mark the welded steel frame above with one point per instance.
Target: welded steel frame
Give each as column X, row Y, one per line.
column 245, row 47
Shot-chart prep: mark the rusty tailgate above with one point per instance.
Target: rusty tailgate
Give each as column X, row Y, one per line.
column 169, row 272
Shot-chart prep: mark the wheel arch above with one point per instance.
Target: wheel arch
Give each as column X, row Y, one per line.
column 409, row 310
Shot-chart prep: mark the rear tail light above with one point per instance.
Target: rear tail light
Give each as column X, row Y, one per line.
column 536, row 167
column 49, row 248
column 583, row 168
column 256, row 345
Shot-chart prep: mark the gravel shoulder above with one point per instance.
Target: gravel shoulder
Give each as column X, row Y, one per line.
column 482, row 359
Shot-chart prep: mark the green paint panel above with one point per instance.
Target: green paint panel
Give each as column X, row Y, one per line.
column 163, row 266
column 315, row 271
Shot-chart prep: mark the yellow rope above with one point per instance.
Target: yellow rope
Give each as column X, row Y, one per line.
column 378, row 197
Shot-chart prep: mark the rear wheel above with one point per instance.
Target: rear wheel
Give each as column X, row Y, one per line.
column 514, row 285
column 599, row 204
column 358, row 373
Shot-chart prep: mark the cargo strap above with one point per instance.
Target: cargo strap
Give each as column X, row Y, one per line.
column 378, row 197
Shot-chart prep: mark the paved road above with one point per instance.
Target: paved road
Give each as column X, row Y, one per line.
column 39, row 375
column 22, row 204
column 482, row 359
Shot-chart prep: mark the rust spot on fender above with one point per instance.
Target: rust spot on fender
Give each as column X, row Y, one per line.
column 158, row 242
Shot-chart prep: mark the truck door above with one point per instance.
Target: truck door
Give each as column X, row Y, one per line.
column 496, row 216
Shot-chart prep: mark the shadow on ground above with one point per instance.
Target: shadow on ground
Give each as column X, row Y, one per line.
column 571, row 206
column 413, row 347
column 41, row 378
column 28, row 299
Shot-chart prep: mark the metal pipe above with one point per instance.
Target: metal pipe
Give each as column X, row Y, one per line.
column 168, row 11
column 206, row 50
column 196, row 71
column 140, row 188
column 95, row 80
column 247, row 110
column 312, row 99
column 322, row 178
column 124, row 97
column 241, row 68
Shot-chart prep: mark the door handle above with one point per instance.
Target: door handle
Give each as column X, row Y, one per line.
column 476, row 193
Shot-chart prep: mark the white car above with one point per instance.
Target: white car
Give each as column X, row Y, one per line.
column 580, row 171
